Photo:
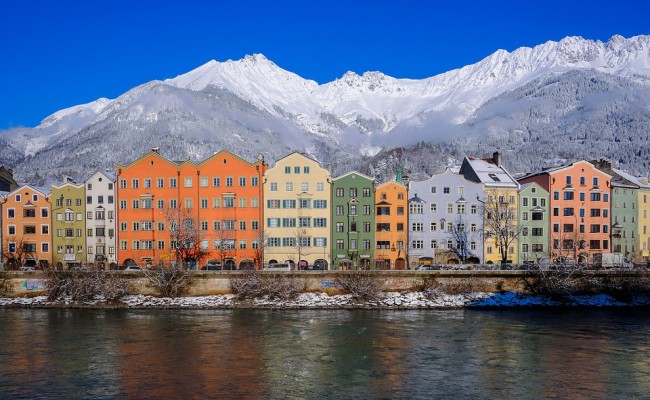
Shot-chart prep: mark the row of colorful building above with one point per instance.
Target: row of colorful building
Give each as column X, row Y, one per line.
column 246, row 213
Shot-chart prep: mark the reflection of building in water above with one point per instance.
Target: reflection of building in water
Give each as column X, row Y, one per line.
column 210, row 359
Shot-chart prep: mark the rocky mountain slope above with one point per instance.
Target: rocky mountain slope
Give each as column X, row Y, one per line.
column 560, row 100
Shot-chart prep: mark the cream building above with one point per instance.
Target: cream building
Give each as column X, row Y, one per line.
column 297, row 212
column 100, row 220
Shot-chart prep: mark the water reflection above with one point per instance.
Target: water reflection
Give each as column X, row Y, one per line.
column 325, row 354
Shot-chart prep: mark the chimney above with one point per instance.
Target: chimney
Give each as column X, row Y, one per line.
column 497, row 158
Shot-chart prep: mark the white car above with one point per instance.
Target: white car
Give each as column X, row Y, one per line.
column 278, row 267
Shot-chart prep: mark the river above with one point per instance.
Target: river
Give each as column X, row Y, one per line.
column 334, row 354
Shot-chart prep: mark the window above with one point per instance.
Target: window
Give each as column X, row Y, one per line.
column 304, row 222
column 417, row 227
column 320, row 186
column 304, row 187
column 568, row 195
column 160, row 183
column 595, row 182
column 188, row 181
column 320, row 222
column 366, row 192
column 340, row 192
column 288, row 222
column 229, row 181
column 446, row 190
column 416, row 208
column 538, row 232
column 29, row 229
column 320, row 203
column 172, row 182
column 305, row 203
column 305, row 169
column 417, row 244
column 203, row 181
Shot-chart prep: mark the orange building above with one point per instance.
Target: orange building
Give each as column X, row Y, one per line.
column 218, row 198
column 391, row 226
column 579, row 205
column 26, row 236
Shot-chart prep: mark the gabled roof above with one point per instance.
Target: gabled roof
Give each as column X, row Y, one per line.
column 552, row 170
column 44, row 191
column 353, row 173
column 487, row 172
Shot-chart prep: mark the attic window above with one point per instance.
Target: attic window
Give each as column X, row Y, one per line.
column 494, row 177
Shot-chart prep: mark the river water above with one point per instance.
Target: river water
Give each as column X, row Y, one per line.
column 263, row 354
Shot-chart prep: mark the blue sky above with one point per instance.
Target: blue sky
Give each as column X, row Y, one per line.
column 57, row 54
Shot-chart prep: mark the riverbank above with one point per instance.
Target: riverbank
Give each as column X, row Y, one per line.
column 403, row 300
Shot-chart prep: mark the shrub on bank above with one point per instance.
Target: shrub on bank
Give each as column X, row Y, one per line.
column 362, row 285
column 255, row 284
column 85, row 285
column 169, row 282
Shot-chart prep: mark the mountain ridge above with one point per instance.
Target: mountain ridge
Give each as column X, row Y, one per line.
column 254, row 100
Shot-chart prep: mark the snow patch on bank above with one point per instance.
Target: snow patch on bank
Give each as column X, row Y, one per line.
column 405, row 300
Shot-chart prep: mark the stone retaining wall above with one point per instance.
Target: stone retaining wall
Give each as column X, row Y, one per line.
column 19, row 284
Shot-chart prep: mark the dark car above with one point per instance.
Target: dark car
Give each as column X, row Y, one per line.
column 212, row 265
column 314, row 267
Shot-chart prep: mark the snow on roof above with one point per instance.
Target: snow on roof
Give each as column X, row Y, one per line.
column 490, row 174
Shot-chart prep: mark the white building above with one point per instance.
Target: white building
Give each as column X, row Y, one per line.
column 100, row 220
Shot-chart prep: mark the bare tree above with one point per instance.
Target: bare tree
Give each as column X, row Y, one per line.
column 259, row 246
column 460, row 236
column 16, row 252
column 500, row 220
column 224, row 241
column 185, row 235
column 568, row 245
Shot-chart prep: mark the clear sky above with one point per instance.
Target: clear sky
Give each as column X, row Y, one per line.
column 57, row 54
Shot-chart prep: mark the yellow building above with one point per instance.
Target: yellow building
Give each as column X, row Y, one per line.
column 500, row 228
column 297, row 212
column 643, row 234
column 68, row 225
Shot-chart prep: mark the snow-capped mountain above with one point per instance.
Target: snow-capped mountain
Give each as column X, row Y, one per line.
column 252, row 105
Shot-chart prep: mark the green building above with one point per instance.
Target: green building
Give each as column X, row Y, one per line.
column 353, row 220
column 534, row 237
column 624, row 210
column 68, row 225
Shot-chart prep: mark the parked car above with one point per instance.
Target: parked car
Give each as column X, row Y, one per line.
column 132, row 268
column 278, row 267
column 212, row 265
column 424, row 267
column 27, row 268
column 314, row 267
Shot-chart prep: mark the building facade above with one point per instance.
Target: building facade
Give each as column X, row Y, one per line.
column 353, row 221
column 499, row 207
column 297, row 193
column 181, row 212
column 391, row 226
column 534, row 239
column 580, row 210
column 445, row 222
column 26, row 228
column 100, row 221
column 68, row 225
